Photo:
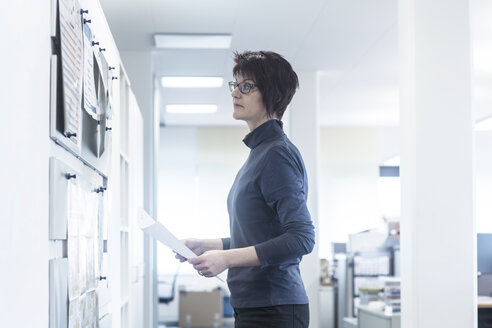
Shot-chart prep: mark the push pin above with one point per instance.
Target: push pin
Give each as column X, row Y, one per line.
column 102, row 278
column 109, row 129
column 111, row 67
column 69, row 176
column 82, row 11
column 114, row 78
column 102, row 49
column 86, row 21
column 70, row 134
column 94, row 43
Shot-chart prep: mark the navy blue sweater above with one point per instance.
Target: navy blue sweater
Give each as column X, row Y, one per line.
column 267, row 210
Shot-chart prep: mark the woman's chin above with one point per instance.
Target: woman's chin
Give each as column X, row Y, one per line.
column 236, row 116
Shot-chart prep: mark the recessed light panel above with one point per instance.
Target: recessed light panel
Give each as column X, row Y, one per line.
column 193, row 41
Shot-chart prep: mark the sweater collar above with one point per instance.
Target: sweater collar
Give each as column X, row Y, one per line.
column 269, row 130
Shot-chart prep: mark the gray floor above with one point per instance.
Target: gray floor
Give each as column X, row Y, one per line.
column 227, row 323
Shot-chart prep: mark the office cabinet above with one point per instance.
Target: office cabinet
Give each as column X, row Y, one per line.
column 327, row 306
column 377, row 319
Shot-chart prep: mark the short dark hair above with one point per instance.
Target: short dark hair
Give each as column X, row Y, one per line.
column 273, row 75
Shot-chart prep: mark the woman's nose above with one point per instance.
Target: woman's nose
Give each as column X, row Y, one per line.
column 235, row 93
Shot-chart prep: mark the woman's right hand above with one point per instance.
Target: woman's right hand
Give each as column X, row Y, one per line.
column 200, row 246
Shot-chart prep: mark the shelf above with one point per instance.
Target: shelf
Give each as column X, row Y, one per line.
column 124, row 301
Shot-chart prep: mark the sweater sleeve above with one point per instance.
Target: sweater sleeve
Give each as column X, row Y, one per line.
column 226, row 243
column 283, row 184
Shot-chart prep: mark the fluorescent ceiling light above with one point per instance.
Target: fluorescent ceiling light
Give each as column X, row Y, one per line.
column 193, row 41
column 484, row 125
column 191, row 109
column 191, row 82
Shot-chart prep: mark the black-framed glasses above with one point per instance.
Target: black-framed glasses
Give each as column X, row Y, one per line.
column 244, row 87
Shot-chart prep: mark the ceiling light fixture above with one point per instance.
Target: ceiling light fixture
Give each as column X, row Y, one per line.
column 193, row 41
column 191, row 109
column 191, row 82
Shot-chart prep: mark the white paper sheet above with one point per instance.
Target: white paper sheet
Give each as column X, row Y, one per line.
column 160, row 233
column 91, row 312
column 75, row 312
column 72, row 64
column 74, row 213
column 90, row 101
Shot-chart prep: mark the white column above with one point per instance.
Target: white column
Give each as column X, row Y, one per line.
column 138, row 65
column 304, row 133
column 438, row 249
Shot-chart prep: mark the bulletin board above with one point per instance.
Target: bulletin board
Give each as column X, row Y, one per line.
column 81, row 123
column 81, row 84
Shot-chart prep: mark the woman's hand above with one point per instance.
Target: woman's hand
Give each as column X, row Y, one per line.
column 200, row 246
column 210, row 263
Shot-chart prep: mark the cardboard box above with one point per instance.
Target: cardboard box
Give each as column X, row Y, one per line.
column 200, row 309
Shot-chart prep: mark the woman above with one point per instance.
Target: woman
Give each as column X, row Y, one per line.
column 270, row 225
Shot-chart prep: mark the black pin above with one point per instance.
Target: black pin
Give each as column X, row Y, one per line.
column 70, row 134
column 69, row 176
column 87, row 21
column 114, row 78
column 94, row 43
column 102, row 49
column 82, row 11
column 109, row 129
column 111, row 67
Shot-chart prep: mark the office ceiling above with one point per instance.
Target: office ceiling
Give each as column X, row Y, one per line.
column 352, row 43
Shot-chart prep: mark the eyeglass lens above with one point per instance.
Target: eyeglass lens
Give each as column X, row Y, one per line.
column 244, row 87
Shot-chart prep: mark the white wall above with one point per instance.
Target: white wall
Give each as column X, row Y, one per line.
column 348, row 192
column 24, row 149
column 138, row 66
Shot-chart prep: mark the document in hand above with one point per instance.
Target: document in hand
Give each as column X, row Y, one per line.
column 160, row 233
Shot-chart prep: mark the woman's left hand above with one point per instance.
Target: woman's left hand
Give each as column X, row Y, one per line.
column 210, row 263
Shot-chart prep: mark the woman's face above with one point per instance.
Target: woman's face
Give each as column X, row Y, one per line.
column 249, row 107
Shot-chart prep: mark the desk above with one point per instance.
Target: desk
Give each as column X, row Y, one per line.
column 484, row 302
column 484, row 311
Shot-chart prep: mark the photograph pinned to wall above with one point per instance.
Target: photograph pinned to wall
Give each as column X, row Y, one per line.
column 71, row 41
column 90, row 100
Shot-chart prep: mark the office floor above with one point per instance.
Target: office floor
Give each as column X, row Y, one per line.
column 227, row 323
